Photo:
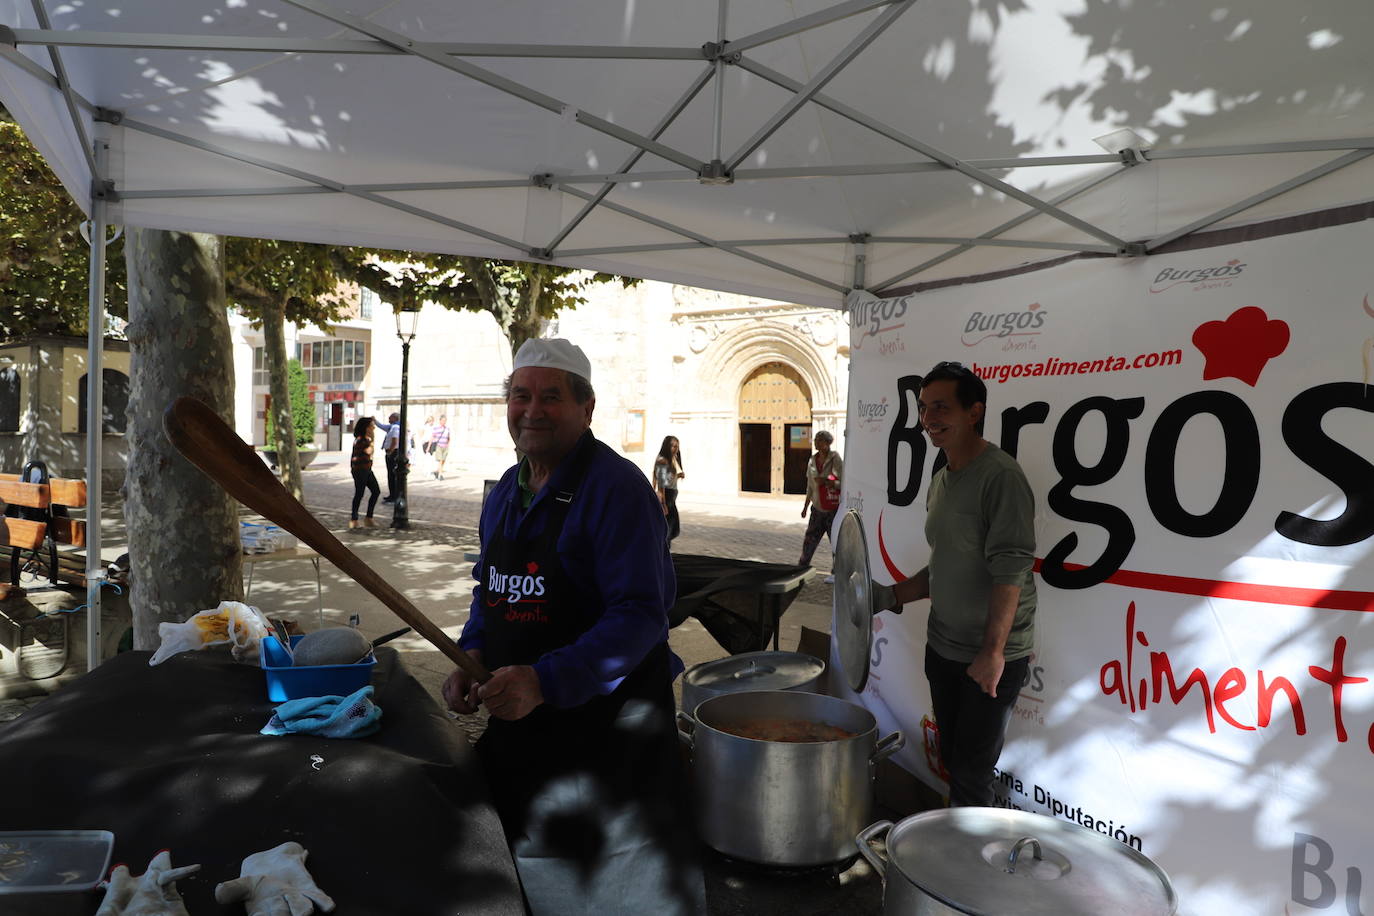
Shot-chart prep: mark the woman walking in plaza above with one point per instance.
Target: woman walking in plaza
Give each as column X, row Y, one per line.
column 823, row 474
column 667, row 472
column 360, row 463
column 438, row 446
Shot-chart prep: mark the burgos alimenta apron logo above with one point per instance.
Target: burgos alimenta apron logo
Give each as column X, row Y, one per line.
column 523, row 593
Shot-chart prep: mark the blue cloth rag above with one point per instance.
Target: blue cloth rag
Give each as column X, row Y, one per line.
column 353, row 716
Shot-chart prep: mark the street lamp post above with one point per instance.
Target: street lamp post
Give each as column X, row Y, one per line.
column 407, row 317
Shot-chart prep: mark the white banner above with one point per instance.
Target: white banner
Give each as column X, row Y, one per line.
column 1197, row 428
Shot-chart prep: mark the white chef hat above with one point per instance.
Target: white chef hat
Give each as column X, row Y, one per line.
column 553, row 353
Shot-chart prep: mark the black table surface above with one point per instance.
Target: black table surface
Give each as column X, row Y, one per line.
column 170, row 757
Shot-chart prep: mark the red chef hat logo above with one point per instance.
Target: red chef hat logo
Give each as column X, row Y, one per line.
column 1240, row 346
column 531, row 567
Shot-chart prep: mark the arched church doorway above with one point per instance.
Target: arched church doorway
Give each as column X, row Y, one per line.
column 774, row 430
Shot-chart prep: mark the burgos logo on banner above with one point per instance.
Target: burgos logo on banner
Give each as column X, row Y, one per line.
column 871, row 413
column 877, row 318
column 1203, row 277
column 1004, row 325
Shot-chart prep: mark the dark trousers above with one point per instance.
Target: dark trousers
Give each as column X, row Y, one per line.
column 393, row 458
column 674, row 523
column 365, row 480
column 817, row 528
column 972, row 725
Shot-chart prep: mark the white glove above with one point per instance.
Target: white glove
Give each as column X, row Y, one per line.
column 153, row 894
column 884, row 597
column 275, row 883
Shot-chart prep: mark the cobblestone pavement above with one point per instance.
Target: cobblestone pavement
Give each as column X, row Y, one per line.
column 752, row 528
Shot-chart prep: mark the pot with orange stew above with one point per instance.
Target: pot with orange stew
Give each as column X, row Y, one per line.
column 781, row 777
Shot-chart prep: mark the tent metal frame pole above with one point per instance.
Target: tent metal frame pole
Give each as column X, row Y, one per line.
column 175, row 193
column 818, row 82
column 855, row 170
column 1282, row 188
column 773, row 174
column 664, row 123
column 860, row 243
column 710, row 243
column 991, row 242
column 83, row 139
column 845, row 240
column 95, row 404
column 806, row 23
column 718, row 118
column 947, row 160
column 498, row 82
column 1291, row 146
column 631, row 249
column 998, row 230
column 10, row 52
column 168, row 193
column 151, row 41
column 514, row 245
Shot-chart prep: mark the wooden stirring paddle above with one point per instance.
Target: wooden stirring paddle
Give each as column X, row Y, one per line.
column 208, row 443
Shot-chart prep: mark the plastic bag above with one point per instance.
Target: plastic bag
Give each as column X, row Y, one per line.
column 232, row 622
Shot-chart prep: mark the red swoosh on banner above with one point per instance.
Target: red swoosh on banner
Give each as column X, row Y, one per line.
column 893, row 571
column 1328, row 599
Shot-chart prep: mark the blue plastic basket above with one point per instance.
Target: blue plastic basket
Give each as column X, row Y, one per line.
column 287, row 682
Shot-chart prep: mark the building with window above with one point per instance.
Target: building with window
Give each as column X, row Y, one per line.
column 43, row 390
column 741, row 382
column 335, row 360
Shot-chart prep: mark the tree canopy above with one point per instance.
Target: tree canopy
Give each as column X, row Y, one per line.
column 519, row 295
column 297, row 279
column 44, row 261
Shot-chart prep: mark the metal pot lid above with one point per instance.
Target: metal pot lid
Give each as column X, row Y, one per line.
column 962, row 856
column 853, row 600
column 754, row 671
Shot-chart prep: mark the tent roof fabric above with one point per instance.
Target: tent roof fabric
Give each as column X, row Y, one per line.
column 790, row 149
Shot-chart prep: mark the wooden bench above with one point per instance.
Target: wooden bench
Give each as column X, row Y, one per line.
column 35, row 516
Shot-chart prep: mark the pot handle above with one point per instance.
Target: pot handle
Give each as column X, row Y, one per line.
column 865, row 843
column 887, row 747
column 687, row 737
column 1015, row 853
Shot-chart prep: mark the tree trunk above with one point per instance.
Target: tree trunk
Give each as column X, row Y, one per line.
column 526, row 321
column 184, row 550
column 274, row 355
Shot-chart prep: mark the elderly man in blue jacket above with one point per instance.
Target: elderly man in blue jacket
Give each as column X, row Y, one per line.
column 570, row 614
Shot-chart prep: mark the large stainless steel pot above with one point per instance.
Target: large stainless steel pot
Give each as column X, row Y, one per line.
column 986, row 861
column 750, row 671
column 778, row 802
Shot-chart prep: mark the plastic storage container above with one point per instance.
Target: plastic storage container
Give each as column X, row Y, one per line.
column 287, row 682
column 52, row 872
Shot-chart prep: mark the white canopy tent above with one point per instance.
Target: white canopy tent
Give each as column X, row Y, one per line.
column 792, row 149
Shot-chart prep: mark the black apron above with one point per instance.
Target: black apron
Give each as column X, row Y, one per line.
column 590, row 797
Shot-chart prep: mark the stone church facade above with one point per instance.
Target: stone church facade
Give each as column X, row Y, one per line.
column 741, row 382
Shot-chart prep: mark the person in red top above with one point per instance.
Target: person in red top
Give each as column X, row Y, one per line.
column 823, row 474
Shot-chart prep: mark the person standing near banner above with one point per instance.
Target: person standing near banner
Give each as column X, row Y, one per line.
column 980, row 515
column 824, row 472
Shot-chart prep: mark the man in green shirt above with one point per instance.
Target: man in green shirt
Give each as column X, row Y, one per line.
column 980, row 516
